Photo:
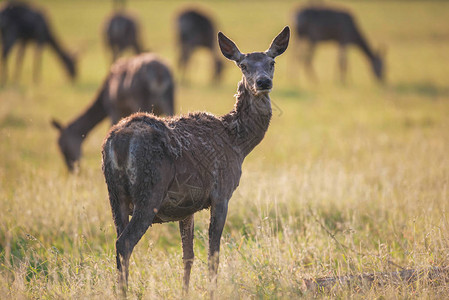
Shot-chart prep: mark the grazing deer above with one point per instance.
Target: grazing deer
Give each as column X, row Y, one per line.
column 196, row 30
column 20, row 23
column 317, row 24
column 122, row 32
column 165, row 169
column 141, row 83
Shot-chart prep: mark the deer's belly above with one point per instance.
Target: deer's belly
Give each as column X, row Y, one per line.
column 187, row 194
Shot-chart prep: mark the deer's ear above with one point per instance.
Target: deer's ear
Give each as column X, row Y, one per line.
column 279, row 44
column 57, row 125
column 228, row 48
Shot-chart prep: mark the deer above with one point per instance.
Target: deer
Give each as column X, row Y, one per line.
column 318, row 24
column 165, row 169
column 122, row 32
column 141, row 83
column 21, row 23
column 196, row 30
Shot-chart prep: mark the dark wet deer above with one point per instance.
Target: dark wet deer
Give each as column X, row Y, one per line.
column 196, row 30
column 141, row 83
column 165, row 169
column 122, row 32
column 20, row 23
column 318, row 24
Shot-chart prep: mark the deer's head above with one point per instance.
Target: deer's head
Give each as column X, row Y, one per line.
column 257, row 67
column 378, row 64
column 72, row 67
column 69, row 145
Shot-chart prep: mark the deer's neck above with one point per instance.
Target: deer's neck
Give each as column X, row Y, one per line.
column 62, row 54
column 94, row 114
column 365, row 47
column 249, row 120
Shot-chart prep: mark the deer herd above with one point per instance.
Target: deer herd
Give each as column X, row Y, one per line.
column 159, row 167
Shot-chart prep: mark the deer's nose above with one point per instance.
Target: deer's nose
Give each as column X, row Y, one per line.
column 264, row 83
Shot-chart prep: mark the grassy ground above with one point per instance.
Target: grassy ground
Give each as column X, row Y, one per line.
column 360, row 165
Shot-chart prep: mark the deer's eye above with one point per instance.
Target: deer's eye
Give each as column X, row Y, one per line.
column 243, row 67
column 272, row 64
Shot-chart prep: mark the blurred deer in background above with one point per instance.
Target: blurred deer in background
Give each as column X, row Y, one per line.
column 318, row 24
column 20, row 23
column 196, row 30
column 141, row 83
column 122, row 32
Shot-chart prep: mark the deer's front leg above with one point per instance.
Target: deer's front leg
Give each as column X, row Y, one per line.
column 218, row 212
column 186, row 227
column 37, row 63
column 308, row 61
column 19, row 60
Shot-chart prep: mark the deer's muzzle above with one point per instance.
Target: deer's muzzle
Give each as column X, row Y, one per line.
column 264, row 84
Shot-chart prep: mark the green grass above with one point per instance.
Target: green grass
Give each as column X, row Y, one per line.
column 368, row 164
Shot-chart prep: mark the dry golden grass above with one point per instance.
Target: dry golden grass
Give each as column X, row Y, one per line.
column 360, row 165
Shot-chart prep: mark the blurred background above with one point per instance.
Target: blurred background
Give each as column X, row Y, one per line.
column 356, row 162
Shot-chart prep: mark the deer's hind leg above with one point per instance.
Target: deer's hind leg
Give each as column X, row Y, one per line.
column 146, row 200
column 186, row 227
column 19, row 60
column 8, row 39
column 120, row 204
column 142, row 217
column 119, row 199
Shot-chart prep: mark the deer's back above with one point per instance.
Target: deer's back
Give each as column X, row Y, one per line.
column 25, row 22
column 321, row 24
column 195, row 29
column 121, row 31
column 141, row 83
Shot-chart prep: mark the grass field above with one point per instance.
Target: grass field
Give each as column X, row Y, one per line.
column 347, row 180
